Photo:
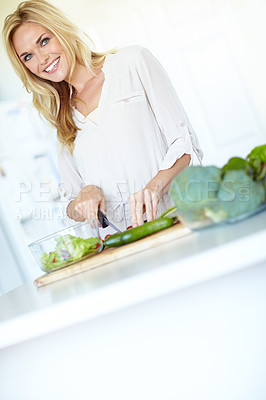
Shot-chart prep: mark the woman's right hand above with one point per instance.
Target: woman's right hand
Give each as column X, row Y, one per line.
column 86, row 205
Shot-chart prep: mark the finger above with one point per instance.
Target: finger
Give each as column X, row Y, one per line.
column 139, row 202
column 78, row 215
column 79, row 209
column 148, row 205
column 155, row 202
column 132, row 210
column 94, row 212
column 103, row 206
column 90, row 209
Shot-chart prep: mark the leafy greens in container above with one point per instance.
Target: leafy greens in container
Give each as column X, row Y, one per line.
column 209, row 195
column 69, row 249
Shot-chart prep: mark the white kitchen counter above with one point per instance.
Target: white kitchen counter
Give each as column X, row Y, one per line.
column 28, row 312
column 185, row 320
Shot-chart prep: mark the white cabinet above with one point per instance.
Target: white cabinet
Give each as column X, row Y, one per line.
column 29, row 207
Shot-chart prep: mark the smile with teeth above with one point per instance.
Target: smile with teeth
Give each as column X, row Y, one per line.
column 51, row 66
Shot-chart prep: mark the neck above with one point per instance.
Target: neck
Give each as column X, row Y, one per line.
column 81, row 77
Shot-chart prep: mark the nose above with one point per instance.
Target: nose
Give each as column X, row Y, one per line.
column 43, row 58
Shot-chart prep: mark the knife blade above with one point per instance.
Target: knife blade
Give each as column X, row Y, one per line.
column 104, row 221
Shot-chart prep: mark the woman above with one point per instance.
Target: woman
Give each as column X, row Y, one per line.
column 123, row 132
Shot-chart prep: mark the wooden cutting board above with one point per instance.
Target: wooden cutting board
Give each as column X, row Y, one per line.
column 116, row 253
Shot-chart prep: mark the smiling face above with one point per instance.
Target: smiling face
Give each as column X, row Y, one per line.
column 41, row 52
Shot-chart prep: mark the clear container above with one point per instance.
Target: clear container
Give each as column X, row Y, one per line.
column 67, row 246
column 207, row 222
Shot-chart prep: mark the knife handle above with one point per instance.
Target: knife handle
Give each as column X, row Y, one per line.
column 102, row 219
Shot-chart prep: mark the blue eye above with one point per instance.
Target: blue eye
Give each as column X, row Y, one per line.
column 45, row 41
column 27, row 57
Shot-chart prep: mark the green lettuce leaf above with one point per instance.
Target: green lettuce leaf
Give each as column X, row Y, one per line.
column 68, row 249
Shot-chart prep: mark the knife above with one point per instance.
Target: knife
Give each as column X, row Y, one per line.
column 104, row 221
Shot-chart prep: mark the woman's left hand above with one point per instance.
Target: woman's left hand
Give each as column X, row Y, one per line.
column 145, row 200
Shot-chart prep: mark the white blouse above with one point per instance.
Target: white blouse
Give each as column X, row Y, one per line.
column 139, row 128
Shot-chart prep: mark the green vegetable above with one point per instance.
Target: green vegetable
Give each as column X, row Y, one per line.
column 170, row 213
column 68, row 249
column 257, row 162
column 133, row 234
column 165, row 213
column 51, row 260
column 237, row 194
column 194, row 189
column 235, row 163
column 201, row 194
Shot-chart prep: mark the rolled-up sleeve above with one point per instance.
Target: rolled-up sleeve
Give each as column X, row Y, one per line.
column 168, row 111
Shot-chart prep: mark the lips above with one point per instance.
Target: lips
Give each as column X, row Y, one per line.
column 51, row 67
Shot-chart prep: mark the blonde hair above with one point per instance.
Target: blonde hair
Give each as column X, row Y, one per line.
column 52, row 100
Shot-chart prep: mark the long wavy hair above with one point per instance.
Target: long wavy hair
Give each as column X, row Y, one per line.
column 52, row 99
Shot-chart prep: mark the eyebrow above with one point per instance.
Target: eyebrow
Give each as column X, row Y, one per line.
column 37, row 41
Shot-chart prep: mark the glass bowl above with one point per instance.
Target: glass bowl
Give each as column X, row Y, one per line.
column 67, row 246
column 208, row 222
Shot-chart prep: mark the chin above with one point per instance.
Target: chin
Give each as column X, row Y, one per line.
column 55, row 79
